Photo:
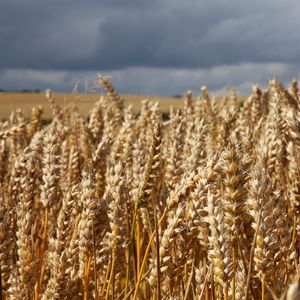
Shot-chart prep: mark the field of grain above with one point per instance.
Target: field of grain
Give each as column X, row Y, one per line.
column 84, row 102
column 122, row 205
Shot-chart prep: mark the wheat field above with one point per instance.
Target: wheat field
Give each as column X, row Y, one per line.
column 83, row 101
column 126, row 205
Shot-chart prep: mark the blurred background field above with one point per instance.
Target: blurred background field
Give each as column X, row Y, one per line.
column 85, row 102
column 26, row 101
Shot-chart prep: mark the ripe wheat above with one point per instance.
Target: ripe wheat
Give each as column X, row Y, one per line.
column 204, row 205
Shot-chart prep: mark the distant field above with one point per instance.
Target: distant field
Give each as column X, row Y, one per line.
column 12, row 101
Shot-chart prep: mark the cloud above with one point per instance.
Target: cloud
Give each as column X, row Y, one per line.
column 157, row 81
column 91, row 35
column 71, row 38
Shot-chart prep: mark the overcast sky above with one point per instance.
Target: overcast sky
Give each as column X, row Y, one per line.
column 161, row 47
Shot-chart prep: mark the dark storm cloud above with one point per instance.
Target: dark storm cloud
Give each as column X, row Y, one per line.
column 149, row 47
column 112, row 35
